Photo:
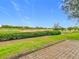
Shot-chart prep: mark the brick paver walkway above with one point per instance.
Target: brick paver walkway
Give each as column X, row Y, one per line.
column 65, row 50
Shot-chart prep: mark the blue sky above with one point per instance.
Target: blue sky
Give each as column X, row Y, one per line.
column 43, row 13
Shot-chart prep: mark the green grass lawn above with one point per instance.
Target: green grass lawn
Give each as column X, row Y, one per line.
column 11, row 49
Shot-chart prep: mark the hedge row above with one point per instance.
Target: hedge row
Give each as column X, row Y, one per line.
column 21, row 35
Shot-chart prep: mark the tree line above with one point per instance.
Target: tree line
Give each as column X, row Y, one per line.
column 21, row 27
column 55, row 27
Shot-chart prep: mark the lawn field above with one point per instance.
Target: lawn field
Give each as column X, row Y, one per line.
column 19, row 46
column 12, row 48
column 22, row 30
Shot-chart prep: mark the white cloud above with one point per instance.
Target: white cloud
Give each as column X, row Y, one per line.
column 15, row 5
column 26, row 20
column 0, row 25
column 26, row 17
column 3, row 10
column 27, row 2
column 17, row 8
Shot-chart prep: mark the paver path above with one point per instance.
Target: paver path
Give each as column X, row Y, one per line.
column 65, row 50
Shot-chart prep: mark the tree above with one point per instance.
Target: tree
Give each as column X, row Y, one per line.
column 70, row 28
column 75, row 28
column 56, row 26
column 71, row 7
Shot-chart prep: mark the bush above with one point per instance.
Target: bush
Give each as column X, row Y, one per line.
column 21, row 35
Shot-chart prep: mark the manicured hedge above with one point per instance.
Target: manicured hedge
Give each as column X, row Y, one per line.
column 21, row 35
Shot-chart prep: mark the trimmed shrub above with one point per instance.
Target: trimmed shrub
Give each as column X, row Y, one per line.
column 21, row 35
